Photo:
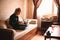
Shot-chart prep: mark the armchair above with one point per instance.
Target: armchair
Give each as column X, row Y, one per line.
column 6, row 34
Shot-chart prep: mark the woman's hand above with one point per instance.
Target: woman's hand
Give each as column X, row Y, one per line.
column 21, row 22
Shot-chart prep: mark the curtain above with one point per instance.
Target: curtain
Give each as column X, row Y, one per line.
column 36, row 5
column 58, row 6
column 57, row 2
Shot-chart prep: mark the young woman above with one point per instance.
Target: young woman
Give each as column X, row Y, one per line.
column 14, row 22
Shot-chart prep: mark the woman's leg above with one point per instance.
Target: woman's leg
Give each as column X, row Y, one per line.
column 20, row 26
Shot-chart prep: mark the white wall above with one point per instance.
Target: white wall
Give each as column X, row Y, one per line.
column 7, row 7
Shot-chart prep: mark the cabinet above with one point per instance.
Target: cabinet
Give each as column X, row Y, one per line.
column 45, row 25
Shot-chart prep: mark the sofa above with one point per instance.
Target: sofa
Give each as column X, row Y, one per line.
column 8, row 33
column 5, row 32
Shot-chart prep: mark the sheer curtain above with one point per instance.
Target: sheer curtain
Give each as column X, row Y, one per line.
column 58, row 6
column 45, row 8
column 36, row 5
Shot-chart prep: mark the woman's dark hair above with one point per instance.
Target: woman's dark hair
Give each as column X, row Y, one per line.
column 17, row 10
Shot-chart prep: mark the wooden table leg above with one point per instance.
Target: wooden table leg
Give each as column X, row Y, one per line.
column 50, row 38
column 45, row 38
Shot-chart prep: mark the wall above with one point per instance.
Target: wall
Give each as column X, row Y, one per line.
column 30, row 8
column 7, row 7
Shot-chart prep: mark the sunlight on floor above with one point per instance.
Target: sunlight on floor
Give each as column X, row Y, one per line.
column 40, row 37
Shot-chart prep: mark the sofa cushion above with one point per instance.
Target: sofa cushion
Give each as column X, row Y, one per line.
column 2, row 25
column 6, row 34
column 7, row 24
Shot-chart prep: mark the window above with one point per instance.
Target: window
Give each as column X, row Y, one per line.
column 47, row 7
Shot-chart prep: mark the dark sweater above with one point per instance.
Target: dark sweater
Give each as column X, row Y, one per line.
column 14, row 22
column 13, row 19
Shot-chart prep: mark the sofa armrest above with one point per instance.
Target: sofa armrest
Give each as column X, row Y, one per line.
column 6, row 34
column 14, row 31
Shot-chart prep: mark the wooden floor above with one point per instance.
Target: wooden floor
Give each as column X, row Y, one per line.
column 40, row 37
